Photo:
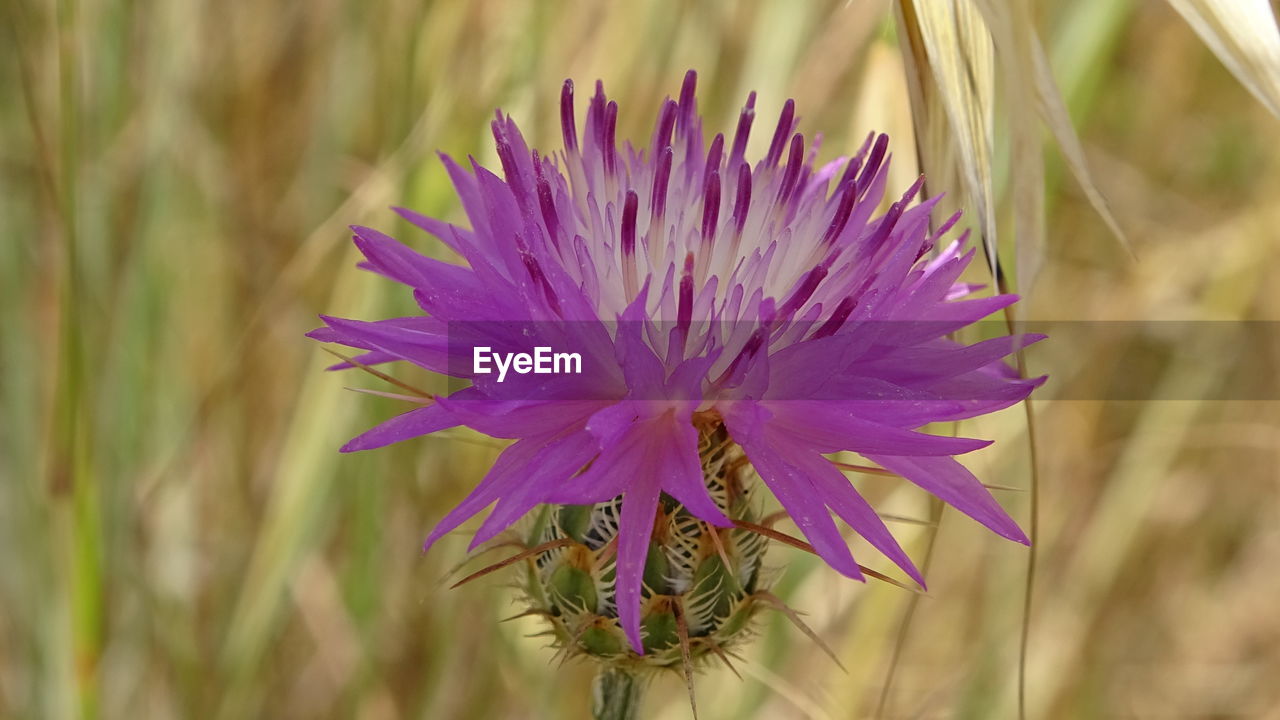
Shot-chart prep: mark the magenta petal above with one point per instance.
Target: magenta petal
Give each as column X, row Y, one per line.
column 664, row 447
column 517, row 419
column 602, row 482
column 403, row 264
column 458, row 239
column 674, row 457
column 830, row 426
column 609, row 424
column 955, row 485
column 339, row 335
column 635, row 526
column 621, row 452
column 804, row 370
column 914, row 412
column 640, row 364
column 845, row 500
column 552, row 464
column 425, row 348
column 920, row 364
column 422, row 421
column 618, row 450
column 793, row 488
column 505, row 475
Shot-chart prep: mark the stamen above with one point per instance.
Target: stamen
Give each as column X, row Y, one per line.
column 838, row 316
column 743, row 131
column 548, row 205
column 855, row 162
column 714, row 155
column 688, row 104
column 609, row 146
column 666, row 121
column 506, row 154
column 629, row 208
column 684, row 308
column 538, row 276
column 658, row 200
column 884, row 227
column 848, row 193
column 780, row 135
column 808, row 284
column 873, row 163
column 794, row 162
column 567, row 126
column 892, row 217
column 932, row 240
column 851, row 169
column 684, row 312
column 710, row 223
column 743, row 203
column 595, row 114
column 733, row 373
column 710, row 206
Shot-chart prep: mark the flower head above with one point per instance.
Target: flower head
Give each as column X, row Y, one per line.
column 701, row 293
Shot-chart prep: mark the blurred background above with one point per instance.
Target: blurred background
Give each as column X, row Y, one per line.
column 180, row 538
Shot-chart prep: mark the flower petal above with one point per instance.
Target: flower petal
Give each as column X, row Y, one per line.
column 832, row 426
column 557, row 460
column 505, row 475
column 792, row 486
column 673, row 443
column 848, row 503
column 420, row 421
column 955, row 485
column 635, row 526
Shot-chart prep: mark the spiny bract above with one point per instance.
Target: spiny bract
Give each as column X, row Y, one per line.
column 702, row 584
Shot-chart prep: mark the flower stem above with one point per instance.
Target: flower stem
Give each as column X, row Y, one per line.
column 616, row 695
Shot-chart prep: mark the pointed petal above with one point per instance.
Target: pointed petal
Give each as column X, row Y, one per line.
column 458, row 239
column 920, row 364
column 845, row 500
column 832, row 426
column 635, row 526
column 955, row 485
column 553, row 463
column 403, row 264
column 501, row 479
column 419, row 421
column 674, row 448
column 792, row 487
column 423, row 345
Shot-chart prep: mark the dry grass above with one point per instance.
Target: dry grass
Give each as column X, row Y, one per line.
column 180, row 538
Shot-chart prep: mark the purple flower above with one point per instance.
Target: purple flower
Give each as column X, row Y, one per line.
column 696, row 288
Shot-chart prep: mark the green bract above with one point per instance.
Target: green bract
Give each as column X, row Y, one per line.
column 705, row 582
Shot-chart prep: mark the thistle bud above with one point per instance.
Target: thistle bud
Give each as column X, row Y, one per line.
column 700, row 581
